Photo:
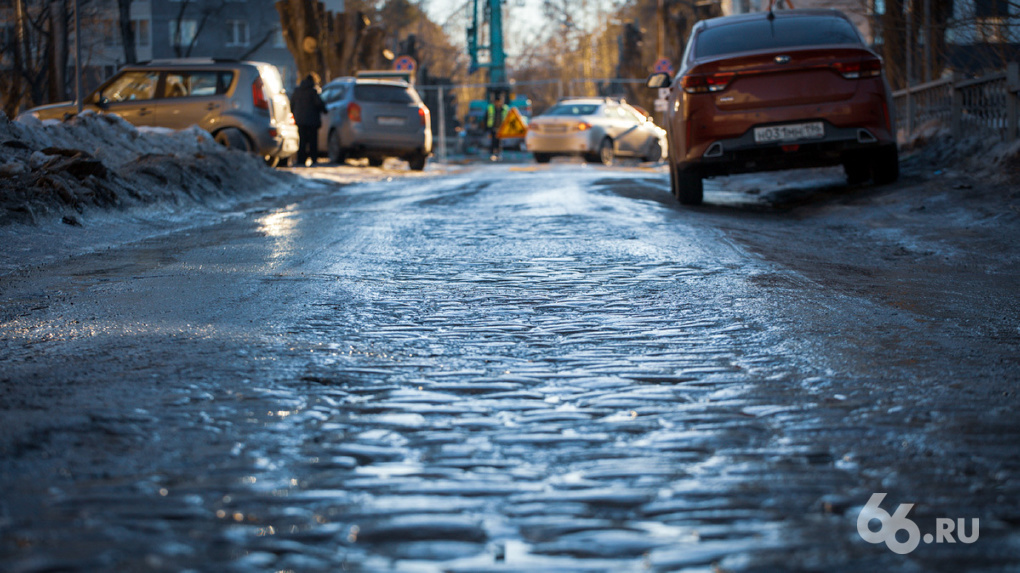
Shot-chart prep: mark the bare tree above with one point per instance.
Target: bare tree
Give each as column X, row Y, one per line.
column 127, row 31
column 57, row 69
column 206, row 11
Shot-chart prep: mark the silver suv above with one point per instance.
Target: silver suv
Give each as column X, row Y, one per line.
column 242, row 104
column 375, row 119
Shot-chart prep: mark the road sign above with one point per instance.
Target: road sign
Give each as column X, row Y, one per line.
column 661, row 105
column 513, row 125
column 664, row 93
column 405, row 64
column 663, row 65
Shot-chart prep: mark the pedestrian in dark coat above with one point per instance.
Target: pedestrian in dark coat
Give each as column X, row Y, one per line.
column 307, row 106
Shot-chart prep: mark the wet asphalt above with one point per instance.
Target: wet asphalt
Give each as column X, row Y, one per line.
column 505, row 368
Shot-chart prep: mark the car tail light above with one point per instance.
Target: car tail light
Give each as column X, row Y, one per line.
column 354, row 112
column 423, row 114
column 704, row 83
column 273, row 132
column 583, row 126
column 258, row 95
column 859, row 69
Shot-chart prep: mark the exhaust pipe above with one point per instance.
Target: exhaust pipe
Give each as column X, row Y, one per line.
column 865, row 136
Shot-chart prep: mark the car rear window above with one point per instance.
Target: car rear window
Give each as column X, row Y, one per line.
column 573, row 109
column 382, row 94
column 779, row 33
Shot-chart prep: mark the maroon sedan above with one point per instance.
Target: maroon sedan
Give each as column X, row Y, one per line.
column 777, row 90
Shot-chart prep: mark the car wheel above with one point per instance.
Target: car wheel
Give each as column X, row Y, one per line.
column 233, row 138
column 688, row 187
column 334, row 149
column 375, row 161
column 885, row 166
column 542, row 157
column 417, row 161
column 857, row 171
column 606, row 156
column 654, row 153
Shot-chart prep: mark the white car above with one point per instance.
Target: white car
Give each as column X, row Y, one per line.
column 598, row 129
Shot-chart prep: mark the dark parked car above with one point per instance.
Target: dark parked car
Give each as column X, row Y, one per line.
column 375, row 119
column 242, row 104
column 777, row 90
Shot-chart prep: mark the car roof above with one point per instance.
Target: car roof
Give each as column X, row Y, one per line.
column 585, row 100
column 753, row 16
column 181, row 63
column 364, row 81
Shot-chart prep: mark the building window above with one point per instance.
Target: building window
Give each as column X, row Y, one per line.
column 182, row 33
column 237, row 33
column 141, row 30
column 991, row 8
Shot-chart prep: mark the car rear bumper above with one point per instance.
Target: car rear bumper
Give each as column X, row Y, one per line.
column 559, row 144
column 384, row 143
column 744, row 155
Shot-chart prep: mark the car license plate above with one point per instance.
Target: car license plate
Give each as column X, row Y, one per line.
column 389, row 120
column 791, row 132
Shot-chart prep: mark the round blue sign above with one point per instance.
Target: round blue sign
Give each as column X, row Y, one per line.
column 664, row 65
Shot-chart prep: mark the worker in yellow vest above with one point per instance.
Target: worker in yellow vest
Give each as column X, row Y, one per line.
column 492, row 124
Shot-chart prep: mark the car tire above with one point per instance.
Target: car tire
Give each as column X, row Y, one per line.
column 233, row 138
column 885, row 166
column 688, row 186
column 334, row 148
column 375, row 161
column 654, row 153
column 857, row 171
column 542, row 157
column 417, row 161
column 605, row 153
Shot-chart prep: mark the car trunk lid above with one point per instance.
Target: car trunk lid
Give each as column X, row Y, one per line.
column 787, row 77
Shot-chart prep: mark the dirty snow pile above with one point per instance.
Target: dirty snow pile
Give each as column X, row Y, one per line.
column 57, row 169
column 978, row 153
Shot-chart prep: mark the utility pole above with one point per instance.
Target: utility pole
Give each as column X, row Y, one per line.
column 77, row 56
column 661, row 38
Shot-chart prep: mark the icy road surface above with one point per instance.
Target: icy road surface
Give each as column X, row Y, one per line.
column 511, row 368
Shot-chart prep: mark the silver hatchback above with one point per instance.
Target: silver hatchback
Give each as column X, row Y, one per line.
column 242, row 104
column 375, row 119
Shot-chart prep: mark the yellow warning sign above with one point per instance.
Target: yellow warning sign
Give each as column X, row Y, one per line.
column 514, row 125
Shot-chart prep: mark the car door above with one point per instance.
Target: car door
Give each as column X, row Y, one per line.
column 132, row 96
column 631, row 139
column 333, row 96
column 192, row 97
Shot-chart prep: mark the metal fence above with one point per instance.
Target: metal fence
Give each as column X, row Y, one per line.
column 987, row 104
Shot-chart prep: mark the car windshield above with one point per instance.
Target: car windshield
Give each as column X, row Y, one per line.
column 779, row 33
column 573, row 109
column 382, row 93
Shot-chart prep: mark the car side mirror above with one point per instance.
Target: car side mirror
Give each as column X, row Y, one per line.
column 658, row 80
